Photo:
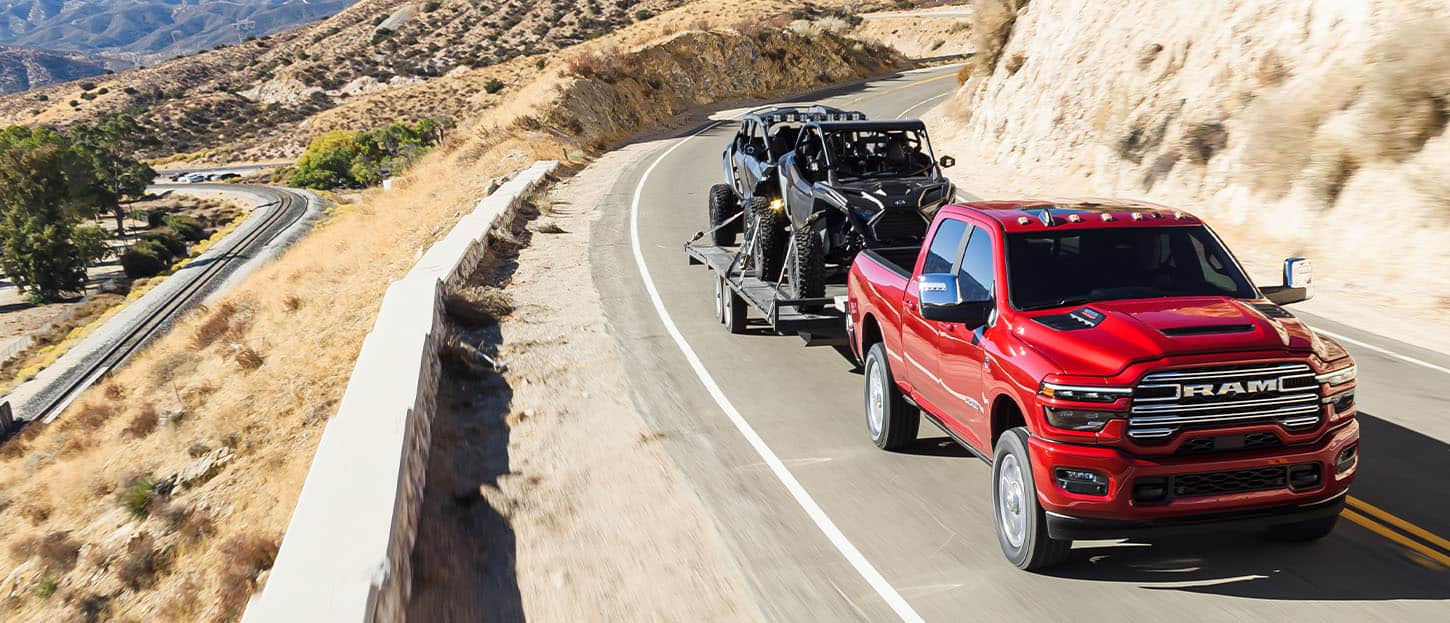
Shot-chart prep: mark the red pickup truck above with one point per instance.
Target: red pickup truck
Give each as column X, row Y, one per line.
column 1114, row 364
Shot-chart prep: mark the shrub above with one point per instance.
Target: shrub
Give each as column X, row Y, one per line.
column 494, row 85
column 155, row 218
column 86, row 86
column 643, row 14
column 144, row 259
column 245, row 557
column 186, row 227
column 45, row 587
column 140, row 565
column 143, row 423
column 88, row 95
column 992, row 22
column 41, row 97
column 136, row 497
column 248, row 358
column 431, row 6
column 174, row 245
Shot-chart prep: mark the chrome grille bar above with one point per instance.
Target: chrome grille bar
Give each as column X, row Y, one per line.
column 1161, row 405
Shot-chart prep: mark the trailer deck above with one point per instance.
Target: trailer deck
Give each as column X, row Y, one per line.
column 826, row 324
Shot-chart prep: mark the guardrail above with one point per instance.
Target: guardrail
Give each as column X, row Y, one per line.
column 347, row 554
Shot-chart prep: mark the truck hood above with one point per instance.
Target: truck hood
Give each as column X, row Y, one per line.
column 1103, row 338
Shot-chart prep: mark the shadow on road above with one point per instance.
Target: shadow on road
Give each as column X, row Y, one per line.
column 1401, row 472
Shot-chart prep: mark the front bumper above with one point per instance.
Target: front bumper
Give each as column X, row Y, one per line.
column 1118, row 514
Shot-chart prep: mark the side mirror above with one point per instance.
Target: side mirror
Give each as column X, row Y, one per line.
column 947, row 162
column 941, row 300
column 1298, row 277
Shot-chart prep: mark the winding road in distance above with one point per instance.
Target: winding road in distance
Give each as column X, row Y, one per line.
column 280, row 216
column 772, row 437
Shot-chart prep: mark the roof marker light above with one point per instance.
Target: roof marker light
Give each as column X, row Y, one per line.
column 1022, row 220
column 1137, row 216
column 1073, row 218
column 1107, row 217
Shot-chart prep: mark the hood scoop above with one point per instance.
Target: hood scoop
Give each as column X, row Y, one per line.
column 1085, row 318
column 1207, row 329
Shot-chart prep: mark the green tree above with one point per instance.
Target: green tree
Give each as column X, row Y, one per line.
column 91, row 241
column 327, row 163
column 45, row 188
column 117, row 174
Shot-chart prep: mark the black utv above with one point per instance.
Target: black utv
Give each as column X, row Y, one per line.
column 851, row 185
column 752, row 181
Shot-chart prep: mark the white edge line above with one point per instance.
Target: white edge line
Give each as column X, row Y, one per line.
column 1383, row 351
column 812, row 509
column 919, row 104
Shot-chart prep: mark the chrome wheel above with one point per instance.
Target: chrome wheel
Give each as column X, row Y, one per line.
column 875, row 398
column 1011, row 501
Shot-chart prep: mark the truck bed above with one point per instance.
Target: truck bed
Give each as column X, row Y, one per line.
column 900, row 260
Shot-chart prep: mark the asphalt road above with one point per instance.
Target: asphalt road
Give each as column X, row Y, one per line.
column 280, row 216
column 772, row 436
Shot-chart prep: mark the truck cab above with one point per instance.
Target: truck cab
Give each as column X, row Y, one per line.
column 1115, row 365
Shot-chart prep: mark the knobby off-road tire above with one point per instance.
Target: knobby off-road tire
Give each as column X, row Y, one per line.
column 1020, row 521
column 769, row 252
column 890, row 420
column 808, row 267
column 723, row 205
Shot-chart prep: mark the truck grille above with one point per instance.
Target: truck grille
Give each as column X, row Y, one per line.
column 899, row 225
column 1166, row 402
column 1230, row 443
column 1240, row 481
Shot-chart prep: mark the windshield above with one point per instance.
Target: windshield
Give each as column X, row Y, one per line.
column 1052, row 269
column 869, row 153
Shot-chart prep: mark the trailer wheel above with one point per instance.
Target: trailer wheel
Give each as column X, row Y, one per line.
column 720, row 292
column 890, row 420
column 1021, row 523
column 734, row 312
column 723, row 205
column 808, row 268
column 770, row 237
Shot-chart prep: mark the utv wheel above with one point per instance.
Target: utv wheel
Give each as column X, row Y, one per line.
column 808, row 267
column 723, row 206
column 1021, row 522
column 734, row 312
column 770, row 238
column 1304, row 531
column 890, row 420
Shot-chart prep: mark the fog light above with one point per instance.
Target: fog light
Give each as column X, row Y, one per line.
column 1342, row 403
column 1151, row 489
column 1346, row 460
column 1304, row 476
column 1078, row 419
column 1081, row 481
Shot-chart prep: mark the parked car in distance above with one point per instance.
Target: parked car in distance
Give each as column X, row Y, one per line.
column 1115, row 365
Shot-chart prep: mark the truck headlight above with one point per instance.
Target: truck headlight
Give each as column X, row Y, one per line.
column 1337, row 377
column 1077, row 393
column 1079, row 419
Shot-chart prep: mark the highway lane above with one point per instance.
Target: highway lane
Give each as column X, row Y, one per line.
column 922, row 519
column 280, row 216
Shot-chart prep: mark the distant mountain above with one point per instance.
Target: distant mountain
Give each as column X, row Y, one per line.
column 22, row 69
column 151, row 28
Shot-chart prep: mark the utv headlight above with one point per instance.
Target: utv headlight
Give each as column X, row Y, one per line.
column 1078, row 419
column 1337, row 377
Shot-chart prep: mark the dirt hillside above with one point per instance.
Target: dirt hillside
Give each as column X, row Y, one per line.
column 1297, row 128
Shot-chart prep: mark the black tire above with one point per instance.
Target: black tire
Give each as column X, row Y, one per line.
column 808, row 267
column 769, row 252
column 1034, row 549
column 720, row 292
column 734, row 312
column 898, row 420
column 1304, row 531
column 723, row 205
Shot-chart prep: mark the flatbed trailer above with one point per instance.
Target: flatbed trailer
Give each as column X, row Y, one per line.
column 817, row 320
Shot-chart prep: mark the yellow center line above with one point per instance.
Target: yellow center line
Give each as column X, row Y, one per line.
column 1385, row 516
column 1380, row 529
column 893, row 90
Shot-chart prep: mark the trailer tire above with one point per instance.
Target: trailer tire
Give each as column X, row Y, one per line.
column 719, row 302
column 723, row 205
column 770, row 237
column 1021, row 523
column 890, row 419
column 808, row 267
column 734, row 312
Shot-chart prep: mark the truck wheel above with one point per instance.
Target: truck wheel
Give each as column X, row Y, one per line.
column 890, row 420
column 1304, row 531
column 723, row 205
column 769, row 251
column 808, row 267
column 734, row 311
column 1021, row 522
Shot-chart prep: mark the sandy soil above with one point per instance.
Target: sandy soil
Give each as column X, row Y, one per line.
column 549, row 498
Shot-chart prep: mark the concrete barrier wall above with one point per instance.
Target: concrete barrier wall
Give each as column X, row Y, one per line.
column 347, row 554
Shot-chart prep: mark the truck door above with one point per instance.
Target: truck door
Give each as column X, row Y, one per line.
column 919, row 336
column 800, row 170
column 961, row 357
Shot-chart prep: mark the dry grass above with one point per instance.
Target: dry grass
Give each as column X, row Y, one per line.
column 143, row 422
column 244, row 557
column 991, row 27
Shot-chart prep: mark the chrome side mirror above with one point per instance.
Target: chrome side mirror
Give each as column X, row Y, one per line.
column 941, row 300
column 1298, row 278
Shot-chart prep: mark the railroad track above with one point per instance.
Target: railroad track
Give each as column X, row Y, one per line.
column 202, row 274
